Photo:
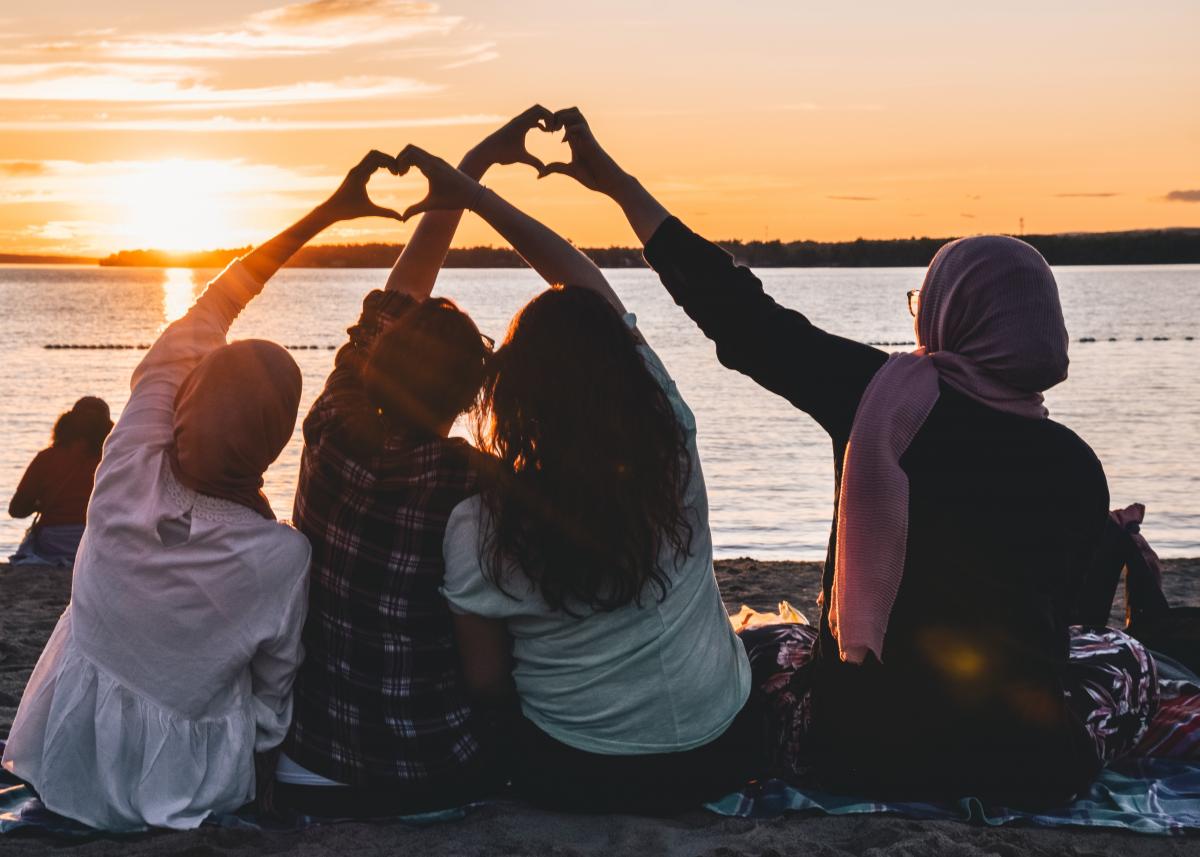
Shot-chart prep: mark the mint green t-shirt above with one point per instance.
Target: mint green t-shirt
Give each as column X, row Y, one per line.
column 662, row 677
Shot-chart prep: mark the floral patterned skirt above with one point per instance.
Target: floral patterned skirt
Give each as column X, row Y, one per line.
column 1111, row 686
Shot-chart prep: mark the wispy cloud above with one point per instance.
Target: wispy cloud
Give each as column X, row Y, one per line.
column 482, row 56
column 181, row 86
column 855, row 198
column 298, row 29
column 80, row 182
column 1100, row 195
column 227, row 124
column 1183, row 196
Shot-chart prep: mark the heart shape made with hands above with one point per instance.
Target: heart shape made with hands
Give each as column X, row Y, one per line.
column 546, row 145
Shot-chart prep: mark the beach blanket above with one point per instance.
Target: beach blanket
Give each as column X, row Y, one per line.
column 1157, row 796
column 1154, row 790
column 20, row 810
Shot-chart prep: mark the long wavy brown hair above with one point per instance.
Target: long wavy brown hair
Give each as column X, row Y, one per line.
column 591, row 462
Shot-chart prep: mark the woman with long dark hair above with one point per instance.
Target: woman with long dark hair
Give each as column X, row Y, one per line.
column 57, row 484
column 581, row 575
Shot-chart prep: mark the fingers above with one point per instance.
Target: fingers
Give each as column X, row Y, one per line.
column 560, row 168
column 539, row 116
column 533, row 161
column 380, row 211
column 375, row 160
column 413, row 156
column 568, row 116
column 416, row 208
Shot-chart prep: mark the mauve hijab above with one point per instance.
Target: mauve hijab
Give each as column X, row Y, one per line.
column 990, row 325
column 234, row 413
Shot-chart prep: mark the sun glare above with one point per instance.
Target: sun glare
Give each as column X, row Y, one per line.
column 179, row 205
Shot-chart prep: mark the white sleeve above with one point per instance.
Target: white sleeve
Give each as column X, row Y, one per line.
column 464, row 586
column 147, row 422
column 274, row 666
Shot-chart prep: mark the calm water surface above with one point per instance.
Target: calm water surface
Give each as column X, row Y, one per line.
column 768, row 466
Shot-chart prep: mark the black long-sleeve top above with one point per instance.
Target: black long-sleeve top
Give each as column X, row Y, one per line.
column 1003, row 514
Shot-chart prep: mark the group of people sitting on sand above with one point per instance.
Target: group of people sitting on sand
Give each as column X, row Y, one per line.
column 539, row 612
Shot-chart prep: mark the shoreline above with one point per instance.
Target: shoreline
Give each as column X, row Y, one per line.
column 35, row 596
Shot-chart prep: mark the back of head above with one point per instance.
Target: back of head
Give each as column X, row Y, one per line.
column 993, row 300
column 592, row 461
column 426, row 368
column 234, row 414
column 87, row 423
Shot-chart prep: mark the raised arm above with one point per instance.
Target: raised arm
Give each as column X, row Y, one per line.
column 148, row 417
column 779, row 348
column 556, row 260
column 416, row 271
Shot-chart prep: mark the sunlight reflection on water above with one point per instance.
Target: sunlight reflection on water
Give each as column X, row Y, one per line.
column 768, row 467
column 179, row 290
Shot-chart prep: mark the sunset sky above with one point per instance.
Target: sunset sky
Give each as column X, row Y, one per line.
column 132, row 123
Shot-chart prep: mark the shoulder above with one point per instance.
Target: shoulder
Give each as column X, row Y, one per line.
column 45, row 459
column 282, row 552
column 463, row 530
column 1073, row 450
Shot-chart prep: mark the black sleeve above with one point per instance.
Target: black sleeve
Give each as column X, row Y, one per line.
column 822, row 374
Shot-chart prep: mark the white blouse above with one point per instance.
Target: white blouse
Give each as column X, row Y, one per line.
column 173, row 662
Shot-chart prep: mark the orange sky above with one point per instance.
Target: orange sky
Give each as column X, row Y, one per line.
column 132, row 123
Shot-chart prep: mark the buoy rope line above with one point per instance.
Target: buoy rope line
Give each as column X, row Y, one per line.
column 141, row 346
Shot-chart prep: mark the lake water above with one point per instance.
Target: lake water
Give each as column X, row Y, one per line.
column 769, row 468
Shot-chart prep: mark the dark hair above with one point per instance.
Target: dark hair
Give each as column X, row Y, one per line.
column 426, row 368
column 592, row 462
column 87, row 422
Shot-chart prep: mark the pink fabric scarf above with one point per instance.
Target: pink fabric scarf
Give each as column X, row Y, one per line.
column 990, row 325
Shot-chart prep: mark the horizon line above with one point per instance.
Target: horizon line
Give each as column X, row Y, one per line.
column 84, row 259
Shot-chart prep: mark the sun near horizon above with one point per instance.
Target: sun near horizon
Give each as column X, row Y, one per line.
column 132, row 124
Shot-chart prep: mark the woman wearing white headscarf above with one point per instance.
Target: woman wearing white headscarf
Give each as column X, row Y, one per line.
column 964, row 519
column 173, row 663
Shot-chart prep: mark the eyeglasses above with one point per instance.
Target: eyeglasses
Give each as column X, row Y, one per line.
column 914, row 301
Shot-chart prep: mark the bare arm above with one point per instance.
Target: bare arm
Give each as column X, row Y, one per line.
column 485, row 650
column 349, row 201
column 595, row 169
column 753, row 334
column 554, row 259
column 27, row 497
column 416, row 271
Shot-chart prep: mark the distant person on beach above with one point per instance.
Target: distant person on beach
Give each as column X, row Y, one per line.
column 581, row 574
column 383, row 722
column 172, row 666
column 57, row 484
column 964, row 518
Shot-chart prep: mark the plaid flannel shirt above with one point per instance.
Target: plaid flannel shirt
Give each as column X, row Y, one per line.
column 379, row 700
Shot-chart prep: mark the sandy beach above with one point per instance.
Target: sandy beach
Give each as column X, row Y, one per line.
column 33, row 598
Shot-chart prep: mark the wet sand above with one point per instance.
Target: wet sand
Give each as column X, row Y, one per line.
column 33, row 598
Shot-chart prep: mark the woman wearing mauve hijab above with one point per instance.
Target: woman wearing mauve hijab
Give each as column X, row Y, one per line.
column 944, row 664
column 172, row 665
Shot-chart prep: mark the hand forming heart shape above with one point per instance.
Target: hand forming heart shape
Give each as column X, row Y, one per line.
column 450, row 189
column 350, row 200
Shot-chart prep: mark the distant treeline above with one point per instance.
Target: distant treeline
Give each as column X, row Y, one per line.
column 37, row 259
column 1146, row 247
